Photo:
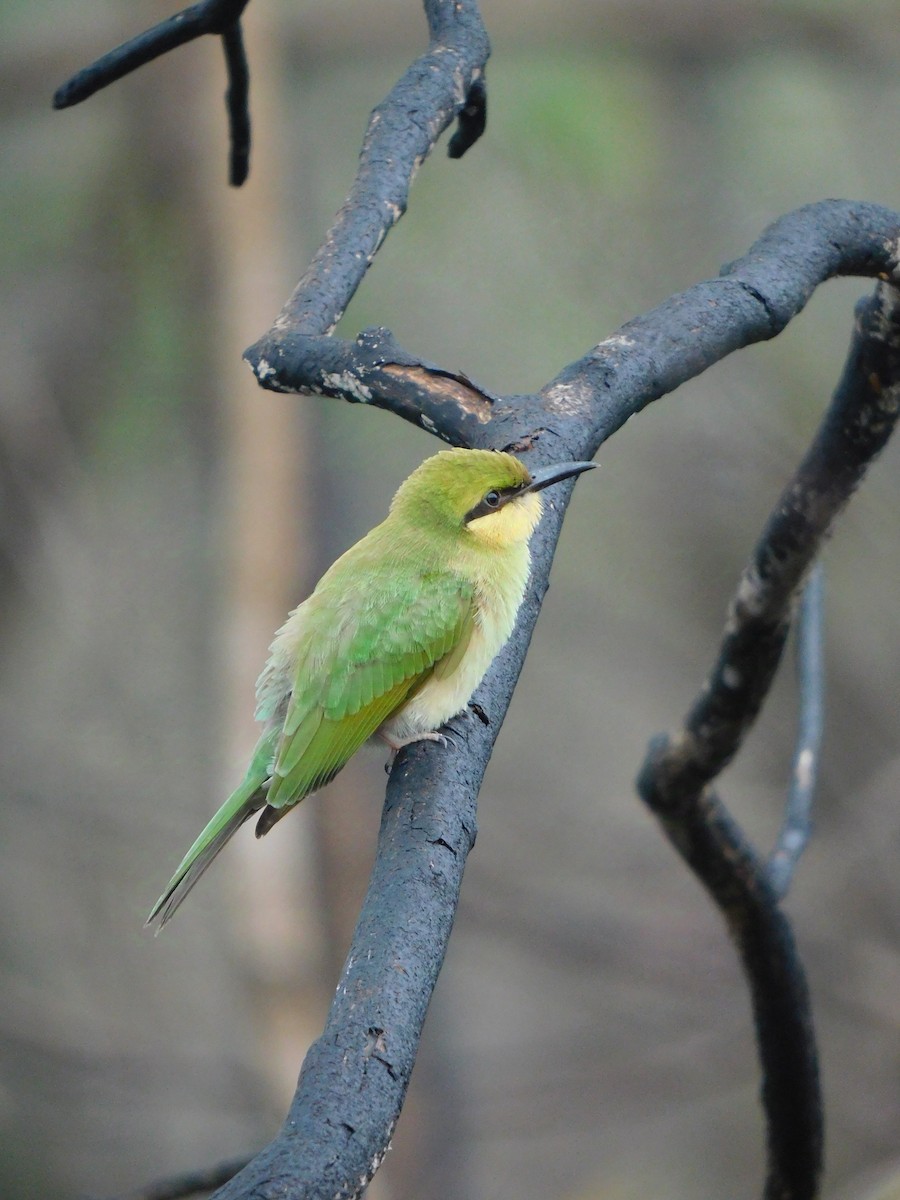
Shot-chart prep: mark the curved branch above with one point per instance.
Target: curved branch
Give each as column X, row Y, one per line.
column 644, row 360
column 719, row 855
column 751, row 301
column 209, row 16
column 676, row 777
column 402, row 132
column 221, row 17
column 854, row 431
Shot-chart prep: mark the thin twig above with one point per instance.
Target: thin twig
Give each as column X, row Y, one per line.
column 237, row 102
column 220, row 17
column 209, row 16
column 797, row 827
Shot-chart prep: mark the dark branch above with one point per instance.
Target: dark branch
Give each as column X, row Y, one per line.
column 676, row 777
column 855, row 430
column 210, row 16
column 374, row 370
column 717, row 852
column 237, row 102
column 402, row 132
column 646, row 359
column 219, row 17
column 795, row 831
column 472, row 120
column 751, row 301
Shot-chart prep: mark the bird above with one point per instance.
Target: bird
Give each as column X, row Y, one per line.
column 393, row 640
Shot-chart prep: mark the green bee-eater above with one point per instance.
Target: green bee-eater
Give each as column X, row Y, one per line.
column 393, row 641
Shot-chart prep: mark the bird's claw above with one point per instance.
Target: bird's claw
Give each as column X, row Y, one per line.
column 446, row 736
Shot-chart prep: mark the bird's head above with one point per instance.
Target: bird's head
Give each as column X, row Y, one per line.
column 486, row 494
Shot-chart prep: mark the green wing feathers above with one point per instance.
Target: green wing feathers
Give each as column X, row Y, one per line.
column 380, row 660
column 308, row 763
column 346, row 660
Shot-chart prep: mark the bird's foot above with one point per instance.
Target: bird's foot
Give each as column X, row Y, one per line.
column 396, row 744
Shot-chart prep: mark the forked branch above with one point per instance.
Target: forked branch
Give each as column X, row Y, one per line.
column 676, row 780
column 220, row 17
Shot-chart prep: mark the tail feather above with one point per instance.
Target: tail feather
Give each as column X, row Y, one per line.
column 248, row 799
column 269, row 817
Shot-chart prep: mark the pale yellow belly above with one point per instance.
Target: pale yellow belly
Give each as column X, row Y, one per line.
column 440, row 699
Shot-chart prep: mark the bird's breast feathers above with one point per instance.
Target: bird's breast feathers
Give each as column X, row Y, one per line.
column 497, row 600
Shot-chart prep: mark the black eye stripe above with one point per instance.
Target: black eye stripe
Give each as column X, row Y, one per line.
column 483, row 508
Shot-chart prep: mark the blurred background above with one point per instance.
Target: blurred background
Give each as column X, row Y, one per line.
column 590, row 1038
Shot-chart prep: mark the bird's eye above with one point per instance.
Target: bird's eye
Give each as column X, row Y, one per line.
column 492, row 500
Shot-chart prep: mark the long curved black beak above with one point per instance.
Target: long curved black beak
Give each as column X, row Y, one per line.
column 545, row 476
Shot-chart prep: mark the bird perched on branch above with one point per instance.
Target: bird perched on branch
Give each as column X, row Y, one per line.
column 393, row 641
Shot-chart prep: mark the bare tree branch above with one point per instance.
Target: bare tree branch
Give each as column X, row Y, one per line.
column 209, row 16
column 237, row 102
column 855, row 429
column 220, row 17
column 375, row 370
column 751, row 301
column 677, row 774
column 402, row 132
column 714, row 847
column 647, row 358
